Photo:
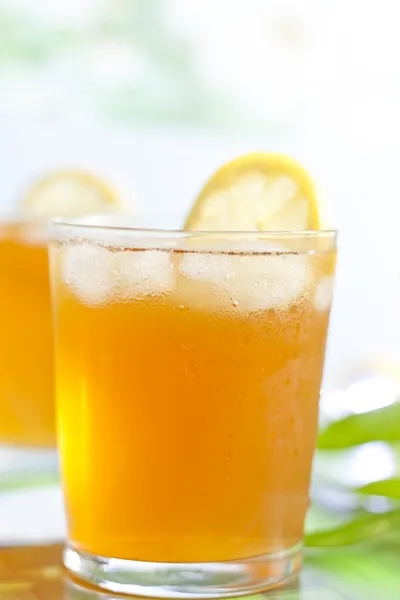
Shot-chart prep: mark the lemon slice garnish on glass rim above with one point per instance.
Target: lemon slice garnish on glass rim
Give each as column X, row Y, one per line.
column 69, row 193
column 258, row 192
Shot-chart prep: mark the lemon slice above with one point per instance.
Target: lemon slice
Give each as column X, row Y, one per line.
column 69, row 193
column 258, row 192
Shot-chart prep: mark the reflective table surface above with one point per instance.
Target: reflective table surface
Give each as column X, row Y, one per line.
column 36, row 573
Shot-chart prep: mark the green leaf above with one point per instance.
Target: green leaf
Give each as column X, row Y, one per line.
column 359, row 572
column 382, row 424
column 386, row 487
column 362, row 529
column 319, row 519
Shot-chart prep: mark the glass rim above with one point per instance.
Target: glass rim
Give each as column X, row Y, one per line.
column 57, row 224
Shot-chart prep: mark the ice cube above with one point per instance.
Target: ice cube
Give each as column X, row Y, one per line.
column 246, row 282
column 323, row 294
column 86, row 270
column 205, row 266
column 140, row 273
column 199, row 275
column 268, row 281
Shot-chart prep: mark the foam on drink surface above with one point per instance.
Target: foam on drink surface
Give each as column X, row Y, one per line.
column 255, row 277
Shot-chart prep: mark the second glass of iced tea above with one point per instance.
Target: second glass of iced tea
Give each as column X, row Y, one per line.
column 26, row 340
column 188, row 373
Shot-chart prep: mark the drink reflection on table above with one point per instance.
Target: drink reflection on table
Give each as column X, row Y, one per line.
column 31, row 573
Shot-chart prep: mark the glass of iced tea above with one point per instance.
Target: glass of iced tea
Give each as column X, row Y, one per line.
column 188, row 374
column 26, row 343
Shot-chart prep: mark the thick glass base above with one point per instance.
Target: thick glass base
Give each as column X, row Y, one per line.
column 184, row 580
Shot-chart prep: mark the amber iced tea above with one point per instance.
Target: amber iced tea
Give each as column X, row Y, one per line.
column 188, row 381
column 26, row 344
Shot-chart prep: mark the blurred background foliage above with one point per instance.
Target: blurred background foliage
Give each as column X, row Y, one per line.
column 274, row 64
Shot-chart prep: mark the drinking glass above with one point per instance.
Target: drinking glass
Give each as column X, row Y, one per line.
column 27, row 407
column 188, row 374
column 26, row 346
